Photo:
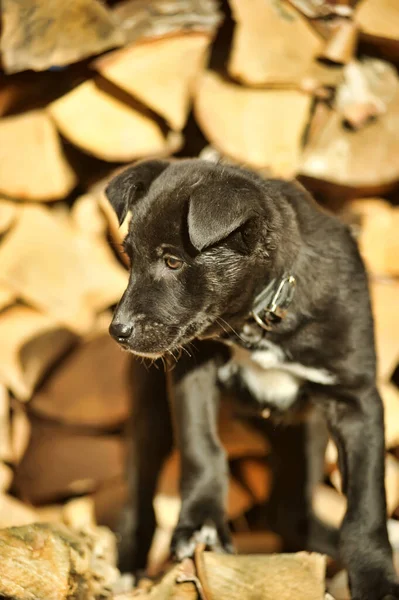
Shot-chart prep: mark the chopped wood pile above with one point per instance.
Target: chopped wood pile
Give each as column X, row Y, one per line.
column 293, row 88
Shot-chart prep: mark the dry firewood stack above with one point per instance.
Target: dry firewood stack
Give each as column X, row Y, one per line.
column 295, row 88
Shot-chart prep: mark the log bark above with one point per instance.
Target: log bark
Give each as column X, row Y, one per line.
column 51, row 562
column 52, row 33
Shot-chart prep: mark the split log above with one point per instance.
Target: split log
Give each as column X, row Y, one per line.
column 14, row 513
column 20, row 432
column 7, row 297
column 149, row 20
column 364, row 161
column 5, row 432
column 31, row 140
column 51, row 561
column 6, row 476
column 106, row 127
column 256, row 477
column 8, row 214
column 260, row 128
column 391, row 483
column 390, row 397
column 273, row 577
column 161, row 73
column 272, row 44
column 342, row 44
column 368, row 88
column 79, row 464
column 379, row 18
column 378, row 235
column 384, row 297
column 88, row 388
column 329, row 505
column 31, row 343
column 54, row 33
column 68, row 275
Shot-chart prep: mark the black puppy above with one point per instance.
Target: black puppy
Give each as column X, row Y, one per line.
column 219, row 253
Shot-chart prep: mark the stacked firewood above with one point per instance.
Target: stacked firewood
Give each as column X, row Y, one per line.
column 293, row 88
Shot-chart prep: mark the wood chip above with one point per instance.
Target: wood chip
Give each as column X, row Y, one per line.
column 89, row 388
column 364, row 160
column 46, row 561
column 79, row 462
column 30, row 139
column 272, row 43
column 54, row 33
column 260, row 128
column 161, row 73
column 125, row 133
column 31, row 343
column 379, row 18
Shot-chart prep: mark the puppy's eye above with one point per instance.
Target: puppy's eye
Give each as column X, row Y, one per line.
column 173, row 263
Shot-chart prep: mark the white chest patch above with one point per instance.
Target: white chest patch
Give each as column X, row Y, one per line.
column 271, row 378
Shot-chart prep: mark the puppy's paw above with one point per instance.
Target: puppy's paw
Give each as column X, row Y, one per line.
column 186, row 539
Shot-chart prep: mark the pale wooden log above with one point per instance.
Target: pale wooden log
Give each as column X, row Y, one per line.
column 89, row 388
column 369, row 86
column 365, row 160
column 44, row 561
column 261, row 128
column 378, row 235
column 51, row 33
column 101, row 124
column 79, row 513
column 30, row 139
column 329, row 505
column 14, row 513
column 20, row 432
column 273, row 577
column 87, row 216
column 31, row 343
column 385, row 295
column 379, row 18
column 161, row 73
column 8, row 214
column 6, row 475
column 391, row 483
column 7, row 297
column 272, row 43
column 257, row 477
column 5, row 432
column 341, row 47
column 79, row 462
column 67, row 274
column 390, row 397
column 141, row 20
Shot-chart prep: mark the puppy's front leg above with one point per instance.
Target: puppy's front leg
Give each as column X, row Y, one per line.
column 356, row 422
column 204, row 469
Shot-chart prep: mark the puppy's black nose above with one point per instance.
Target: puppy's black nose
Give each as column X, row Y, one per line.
column 120, row 330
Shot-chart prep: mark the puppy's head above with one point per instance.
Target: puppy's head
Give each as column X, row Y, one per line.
column 199, row 241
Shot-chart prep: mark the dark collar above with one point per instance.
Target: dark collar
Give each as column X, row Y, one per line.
column 268, row 310
column 270, row 306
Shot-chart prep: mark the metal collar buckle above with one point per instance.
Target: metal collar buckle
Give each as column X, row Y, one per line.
column 270, row 306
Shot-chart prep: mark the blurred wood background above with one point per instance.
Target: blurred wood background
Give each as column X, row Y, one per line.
column 293, row 88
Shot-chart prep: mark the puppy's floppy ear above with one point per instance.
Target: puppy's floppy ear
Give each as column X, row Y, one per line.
column 125, row 189
column 217, row 208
